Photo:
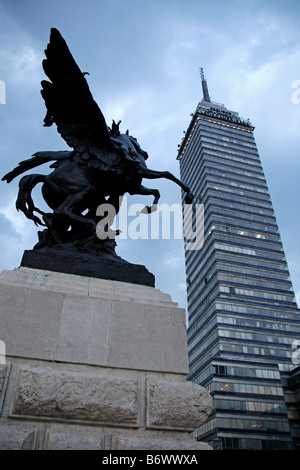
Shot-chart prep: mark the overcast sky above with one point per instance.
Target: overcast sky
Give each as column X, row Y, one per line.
column 143, row 57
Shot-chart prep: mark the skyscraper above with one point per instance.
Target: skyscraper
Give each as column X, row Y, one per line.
column 243, row 320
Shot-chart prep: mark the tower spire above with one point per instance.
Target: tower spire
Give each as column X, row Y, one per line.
column 206, row 96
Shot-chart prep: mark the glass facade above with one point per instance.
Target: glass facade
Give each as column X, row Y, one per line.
column 243, row 317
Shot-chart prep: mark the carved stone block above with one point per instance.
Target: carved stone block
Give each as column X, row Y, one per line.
column 176, row 405
column 79, row 396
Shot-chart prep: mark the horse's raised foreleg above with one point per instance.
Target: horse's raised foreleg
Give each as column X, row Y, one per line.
column 148, row 192
column 154, row 174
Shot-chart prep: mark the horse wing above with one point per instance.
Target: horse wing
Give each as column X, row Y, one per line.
column 69, row 101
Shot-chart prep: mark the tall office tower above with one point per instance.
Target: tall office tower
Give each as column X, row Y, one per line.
column 242, row 315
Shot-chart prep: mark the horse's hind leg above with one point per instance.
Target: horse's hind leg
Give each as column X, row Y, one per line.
column 65, row 213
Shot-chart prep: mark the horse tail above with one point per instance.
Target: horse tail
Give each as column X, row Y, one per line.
column 38, row 158
column 24, row 201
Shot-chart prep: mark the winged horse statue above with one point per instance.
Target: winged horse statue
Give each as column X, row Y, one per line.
column 101, row 166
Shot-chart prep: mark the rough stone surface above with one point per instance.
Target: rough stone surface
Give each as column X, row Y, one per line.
column 80, row 439
column 3, row 376
column 152, row 443
column 76, row 396
column 18, row 437
column 177, row 405
column 4, row 370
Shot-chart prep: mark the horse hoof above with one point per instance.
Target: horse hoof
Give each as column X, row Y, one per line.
column 114, row 233
column 149, row 210
column 189, row 198
column 146, row 210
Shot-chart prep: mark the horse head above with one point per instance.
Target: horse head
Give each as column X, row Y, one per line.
column 127, row 144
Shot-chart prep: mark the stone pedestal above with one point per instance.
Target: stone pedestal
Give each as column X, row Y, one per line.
column 94, row 364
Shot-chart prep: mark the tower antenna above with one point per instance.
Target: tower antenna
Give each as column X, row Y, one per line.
column 206, row 96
